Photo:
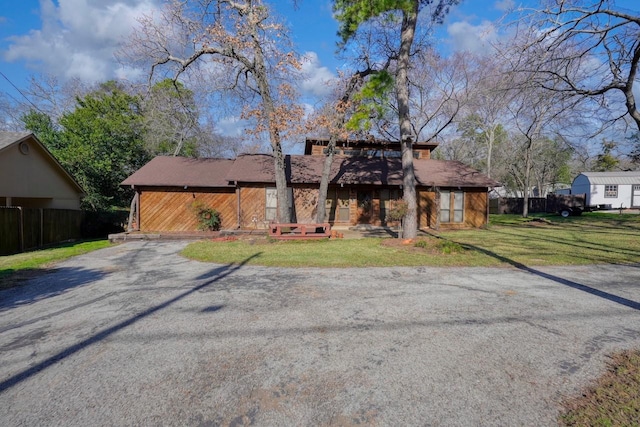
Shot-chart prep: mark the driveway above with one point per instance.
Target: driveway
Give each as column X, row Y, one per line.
column 137, row 335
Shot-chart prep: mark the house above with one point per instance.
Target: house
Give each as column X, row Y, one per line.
column 609, row 189
column 363, row 187
column 31, row 177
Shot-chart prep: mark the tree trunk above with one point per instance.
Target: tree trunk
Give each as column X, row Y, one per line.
column 491, row 136
column 409, row 21
column 527, row 180
column 260, row 74
column 324, row 180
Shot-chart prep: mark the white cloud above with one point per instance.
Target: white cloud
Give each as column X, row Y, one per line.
column 231, row 126
column 317, row 78
column 472, row 38
column 505, row 5
column 78, row 38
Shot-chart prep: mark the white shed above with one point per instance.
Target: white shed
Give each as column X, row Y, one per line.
column 617, row 189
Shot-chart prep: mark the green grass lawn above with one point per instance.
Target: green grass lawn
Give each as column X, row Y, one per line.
column 15, row 268
column 509, row 239
column 613, row 400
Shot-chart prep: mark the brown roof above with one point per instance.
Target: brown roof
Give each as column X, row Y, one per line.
column 449, row 173
column 164, row 171
column 259, row 168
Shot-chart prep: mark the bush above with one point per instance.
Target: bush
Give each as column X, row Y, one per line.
column 398, row 210
column 449, row 247
column 208, row 218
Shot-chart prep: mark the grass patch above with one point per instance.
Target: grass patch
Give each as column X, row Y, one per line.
column 508, row 239
column 340, row 253
column 18, row 267
column 614, row 399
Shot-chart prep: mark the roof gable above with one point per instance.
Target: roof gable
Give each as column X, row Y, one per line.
column 11, row 139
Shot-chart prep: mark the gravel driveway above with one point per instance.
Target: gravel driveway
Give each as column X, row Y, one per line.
column 137, row 335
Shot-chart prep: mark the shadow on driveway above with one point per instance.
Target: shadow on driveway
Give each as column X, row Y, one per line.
column 65, row 279
column 211, row 277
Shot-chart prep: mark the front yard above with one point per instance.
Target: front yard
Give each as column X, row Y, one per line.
column 508, row 240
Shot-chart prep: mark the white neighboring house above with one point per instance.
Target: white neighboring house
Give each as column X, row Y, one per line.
column 618, row 189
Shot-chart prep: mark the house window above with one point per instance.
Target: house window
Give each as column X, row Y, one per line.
column 271, row 205
column 451, row 206
column 610, row 191
column 337, row 206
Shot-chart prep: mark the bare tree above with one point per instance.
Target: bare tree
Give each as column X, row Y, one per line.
column 486, row 108
column 593, row 51
column 45, row 94
column 171, row 119
column 242, row 42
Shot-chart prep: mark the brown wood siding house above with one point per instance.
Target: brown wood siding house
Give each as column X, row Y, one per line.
column 361, row 191
column 167, row 187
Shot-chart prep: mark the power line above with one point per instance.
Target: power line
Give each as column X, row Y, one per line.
column 19, row 91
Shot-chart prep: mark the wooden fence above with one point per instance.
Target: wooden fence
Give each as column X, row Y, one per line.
column 552, row 203
column 23, row 229
column 514, row 205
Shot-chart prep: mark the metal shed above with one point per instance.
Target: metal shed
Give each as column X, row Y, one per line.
column 609, row 189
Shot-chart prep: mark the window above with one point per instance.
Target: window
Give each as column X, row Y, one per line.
column 271, row 205
column 451, row 206
column 337, row 205
column 610, row 191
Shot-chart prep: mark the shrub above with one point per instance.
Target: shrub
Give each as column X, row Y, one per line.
column 208, row 218
column 398, row 211
column 449, row 247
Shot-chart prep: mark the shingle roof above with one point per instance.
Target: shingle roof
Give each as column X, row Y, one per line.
column 7, row 139
column 613, row 178
column 449, row 173
column 164, row 171
column 10, row 138
column 259, row 168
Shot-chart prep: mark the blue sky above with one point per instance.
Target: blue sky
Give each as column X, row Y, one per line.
column 76, row 38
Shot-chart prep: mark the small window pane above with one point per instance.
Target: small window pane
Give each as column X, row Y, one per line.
column 610, row 191
column 445, row 200
column 445, row 215
column 458, row 206
column 458, row 200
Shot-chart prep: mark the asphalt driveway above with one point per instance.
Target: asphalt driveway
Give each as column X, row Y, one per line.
column 137, row 335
